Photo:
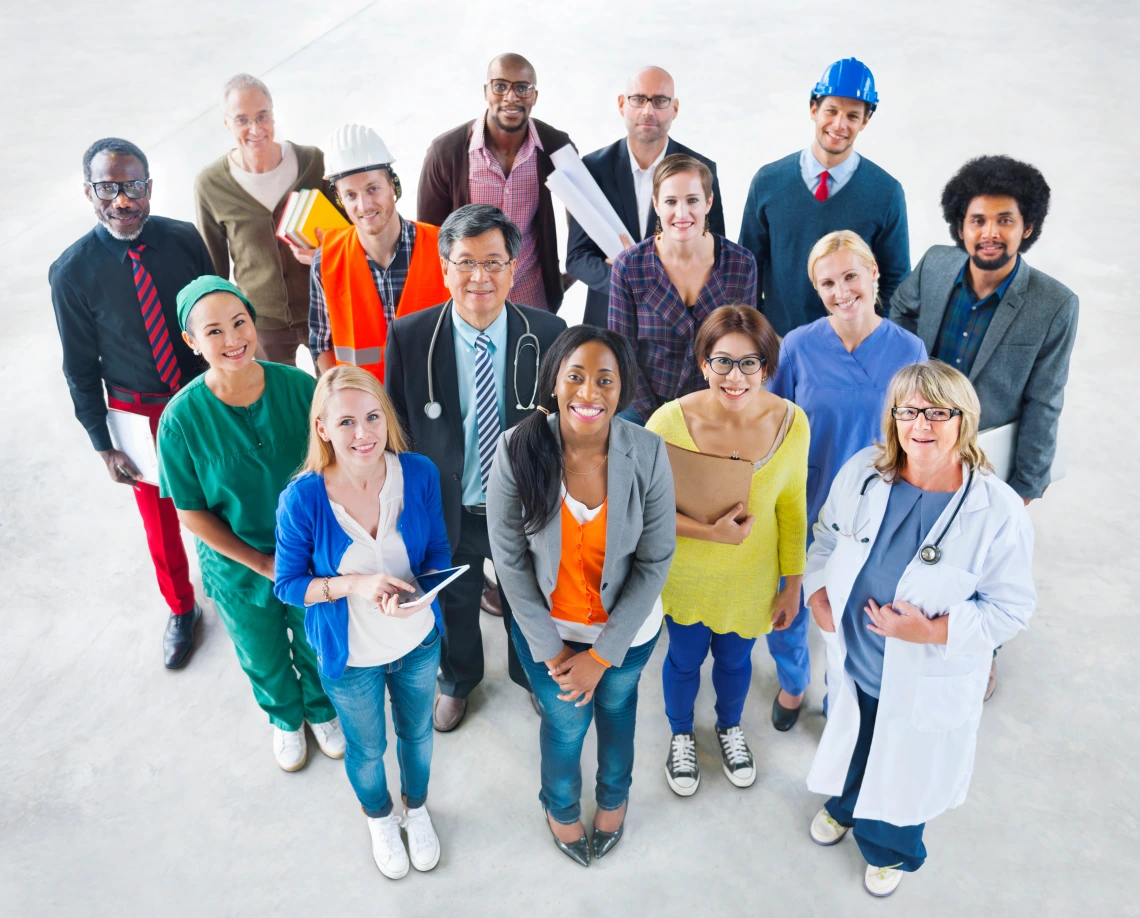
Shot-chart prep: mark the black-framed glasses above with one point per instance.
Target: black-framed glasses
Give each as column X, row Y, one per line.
column 639, row 101
column 467, row 266
column 749, row 366
column 906, row 413
column 522, row 89
column 108, row 191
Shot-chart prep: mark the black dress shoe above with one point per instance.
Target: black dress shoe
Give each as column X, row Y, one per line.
column 178, row 641
column 783, row 719
column 578, row 851
column 604, row 841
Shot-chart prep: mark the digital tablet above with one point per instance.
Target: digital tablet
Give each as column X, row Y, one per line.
column 428, row 585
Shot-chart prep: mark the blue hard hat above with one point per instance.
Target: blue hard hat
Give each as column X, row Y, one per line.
column 849, row 78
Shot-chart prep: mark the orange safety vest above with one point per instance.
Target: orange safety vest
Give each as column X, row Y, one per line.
column 356, row 315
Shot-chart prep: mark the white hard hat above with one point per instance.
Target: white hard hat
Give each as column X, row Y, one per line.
column 353, row 148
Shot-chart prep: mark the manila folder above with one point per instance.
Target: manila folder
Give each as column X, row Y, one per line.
column 707, row 486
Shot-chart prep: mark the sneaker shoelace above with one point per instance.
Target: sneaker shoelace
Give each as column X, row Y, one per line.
column 885, row 872
column 324, row 731
column 418, row 824
column 292, row 738
column 735, row 749
column 684, row 754
column 836, row 826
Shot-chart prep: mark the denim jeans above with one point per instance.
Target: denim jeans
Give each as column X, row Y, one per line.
column 564, row 727
column 358, row 697
column 681, row 673
column 632, row 416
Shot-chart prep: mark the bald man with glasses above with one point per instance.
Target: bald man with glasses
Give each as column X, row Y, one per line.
column 624, row 172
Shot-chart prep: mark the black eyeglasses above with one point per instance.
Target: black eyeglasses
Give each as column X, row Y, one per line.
column 749, row 366
column 467, row 266
column 639, row 101
column 108, row 191
column 906, row 413
column 522, row 89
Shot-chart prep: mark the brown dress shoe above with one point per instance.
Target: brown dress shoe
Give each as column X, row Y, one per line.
column 448, row 712
column 993, row 681
column 490, row 602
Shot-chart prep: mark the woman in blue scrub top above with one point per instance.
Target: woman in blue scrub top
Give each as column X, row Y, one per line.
column 837, row 370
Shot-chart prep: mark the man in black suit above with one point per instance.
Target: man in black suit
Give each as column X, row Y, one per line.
column 481, row 381
column 624, row 172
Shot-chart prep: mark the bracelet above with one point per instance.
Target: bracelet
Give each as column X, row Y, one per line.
column 325, row 587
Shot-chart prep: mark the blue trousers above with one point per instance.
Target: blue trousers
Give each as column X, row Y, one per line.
column 358, row 697
column 681, row 673
column 881, row 844
column 564, row 726
column 789, row 649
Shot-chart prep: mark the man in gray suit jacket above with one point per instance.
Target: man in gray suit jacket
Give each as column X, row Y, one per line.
column 981, row 308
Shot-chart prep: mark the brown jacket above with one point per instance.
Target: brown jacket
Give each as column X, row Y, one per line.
column 443, row 189
column 234, row 224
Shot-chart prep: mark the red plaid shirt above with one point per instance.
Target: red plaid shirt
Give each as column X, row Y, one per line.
column 515, row 195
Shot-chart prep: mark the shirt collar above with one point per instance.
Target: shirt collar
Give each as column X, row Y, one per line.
column 479, row 134
column 496, row 331
column 150, row 236
column 635, row 168
column 1002, row 287
column 840, row 173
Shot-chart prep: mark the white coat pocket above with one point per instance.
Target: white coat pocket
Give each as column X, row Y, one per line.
column 935, row 588
column 944, row 703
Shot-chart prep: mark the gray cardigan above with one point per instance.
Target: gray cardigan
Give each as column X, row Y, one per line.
column 641, row 536
column 1023, row 363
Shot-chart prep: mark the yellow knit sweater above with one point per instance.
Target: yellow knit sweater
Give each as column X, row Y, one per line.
column 730, row 588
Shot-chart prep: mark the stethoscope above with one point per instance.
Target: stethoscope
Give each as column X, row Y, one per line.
column 929, row 553
column 434, row 409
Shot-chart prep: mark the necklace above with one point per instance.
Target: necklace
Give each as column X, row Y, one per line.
column 594, row 469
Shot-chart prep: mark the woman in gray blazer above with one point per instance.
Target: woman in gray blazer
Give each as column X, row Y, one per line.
column 581, row 519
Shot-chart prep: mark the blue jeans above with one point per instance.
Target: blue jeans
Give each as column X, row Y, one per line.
column 632, row 416
column 564, row 727
column 881, row 844
column 681, row 673
column 358, row 697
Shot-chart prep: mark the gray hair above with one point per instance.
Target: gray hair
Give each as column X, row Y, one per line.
column 243, row 81
column 475, row 220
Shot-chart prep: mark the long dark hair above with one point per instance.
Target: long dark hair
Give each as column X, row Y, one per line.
column 534, row 450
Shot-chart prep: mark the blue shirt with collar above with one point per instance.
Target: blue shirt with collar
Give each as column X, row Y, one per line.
column 464, row 335
column 966, row 321
column 811, row 169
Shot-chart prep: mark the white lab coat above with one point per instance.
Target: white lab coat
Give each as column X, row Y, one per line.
column 930, row 703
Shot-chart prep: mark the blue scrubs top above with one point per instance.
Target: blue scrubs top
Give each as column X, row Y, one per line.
column 909, row 520
column 842, row 394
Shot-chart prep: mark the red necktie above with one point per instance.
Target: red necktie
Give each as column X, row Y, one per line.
column 821, row 188
column 155, row 321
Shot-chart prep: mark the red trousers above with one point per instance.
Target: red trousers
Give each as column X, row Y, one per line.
column 160, row 520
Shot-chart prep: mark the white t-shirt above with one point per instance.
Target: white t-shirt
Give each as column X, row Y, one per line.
column 375, row 639
column 643, row 187
column 587, row 634
column 268, row 188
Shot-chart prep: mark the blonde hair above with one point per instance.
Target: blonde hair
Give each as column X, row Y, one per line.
column 321, row 455
column 843, row 241
column 944, row 387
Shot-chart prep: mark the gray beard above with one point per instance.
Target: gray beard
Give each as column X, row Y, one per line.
column 115, row 234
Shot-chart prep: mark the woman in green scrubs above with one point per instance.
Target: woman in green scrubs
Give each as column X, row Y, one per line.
column 228, row 443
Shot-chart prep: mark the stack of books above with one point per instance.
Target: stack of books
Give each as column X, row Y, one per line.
column 306, row 211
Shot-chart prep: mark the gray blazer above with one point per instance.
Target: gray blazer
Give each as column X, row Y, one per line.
column 1023, row 363
column 641, row 536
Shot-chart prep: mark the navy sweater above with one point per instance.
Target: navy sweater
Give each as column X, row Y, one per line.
column 783, row 220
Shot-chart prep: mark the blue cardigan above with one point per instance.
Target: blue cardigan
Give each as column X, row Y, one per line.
column 311, row 543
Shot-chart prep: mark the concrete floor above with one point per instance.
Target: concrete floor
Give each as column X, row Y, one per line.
column 129, row 790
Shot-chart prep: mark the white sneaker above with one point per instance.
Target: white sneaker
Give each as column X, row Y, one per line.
column 423, row 843
column 329, row 737
column 290, row 748
column 736, row 757
column 881, row 881
column 825, row 830
column 387, row 846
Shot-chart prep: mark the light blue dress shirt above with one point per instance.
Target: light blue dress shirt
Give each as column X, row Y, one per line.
column 810, row 169
column 464, row 336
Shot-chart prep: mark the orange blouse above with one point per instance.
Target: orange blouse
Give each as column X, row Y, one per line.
column 577, row 596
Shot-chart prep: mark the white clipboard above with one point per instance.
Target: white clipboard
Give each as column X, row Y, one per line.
column 1000, row 446
column 130, row 434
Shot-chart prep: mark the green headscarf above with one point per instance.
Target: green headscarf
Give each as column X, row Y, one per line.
column 202, row 286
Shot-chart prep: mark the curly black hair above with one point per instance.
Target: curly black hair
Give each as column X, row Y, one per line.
column 997, row 175
column 112, row 145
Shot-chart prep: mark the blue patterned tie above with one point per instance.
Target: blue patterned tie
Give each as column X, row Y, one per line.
column 486, row 407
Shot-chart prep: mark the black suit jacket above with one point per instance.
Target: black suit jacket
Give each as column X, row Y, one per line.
column 610, row 167
column 406, row 380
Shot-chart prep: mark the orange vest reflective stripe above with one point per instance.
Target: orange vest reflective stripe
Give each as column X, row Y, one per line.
column 577, row 595
column 356, row 315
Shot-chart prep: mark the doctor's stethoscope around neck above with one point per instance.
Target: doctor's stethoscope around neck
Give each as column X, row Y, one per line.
column 930, row 553
column 433, row 409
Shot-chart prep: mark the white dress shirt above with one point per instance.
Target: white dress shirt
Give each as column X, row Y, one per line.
column 643, row 187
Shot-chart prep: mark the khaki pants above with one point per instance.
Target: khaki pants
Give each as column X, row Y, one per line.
column 279, row 345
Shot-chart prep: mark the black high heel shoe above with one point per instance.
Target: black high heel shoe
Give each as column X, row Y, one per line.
column 604, row 841
column 578, row 851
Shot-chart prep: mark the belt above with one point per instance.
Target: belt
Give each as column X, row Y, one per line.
column 140, row 398
column 477, row 509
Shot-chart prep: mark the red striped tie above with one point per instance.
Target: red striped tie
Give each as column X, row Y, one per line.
column 155, row 321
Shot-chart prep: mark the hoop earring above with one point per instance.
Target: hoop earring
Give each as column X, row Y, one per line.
column 657, row 229
column 708, row 226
